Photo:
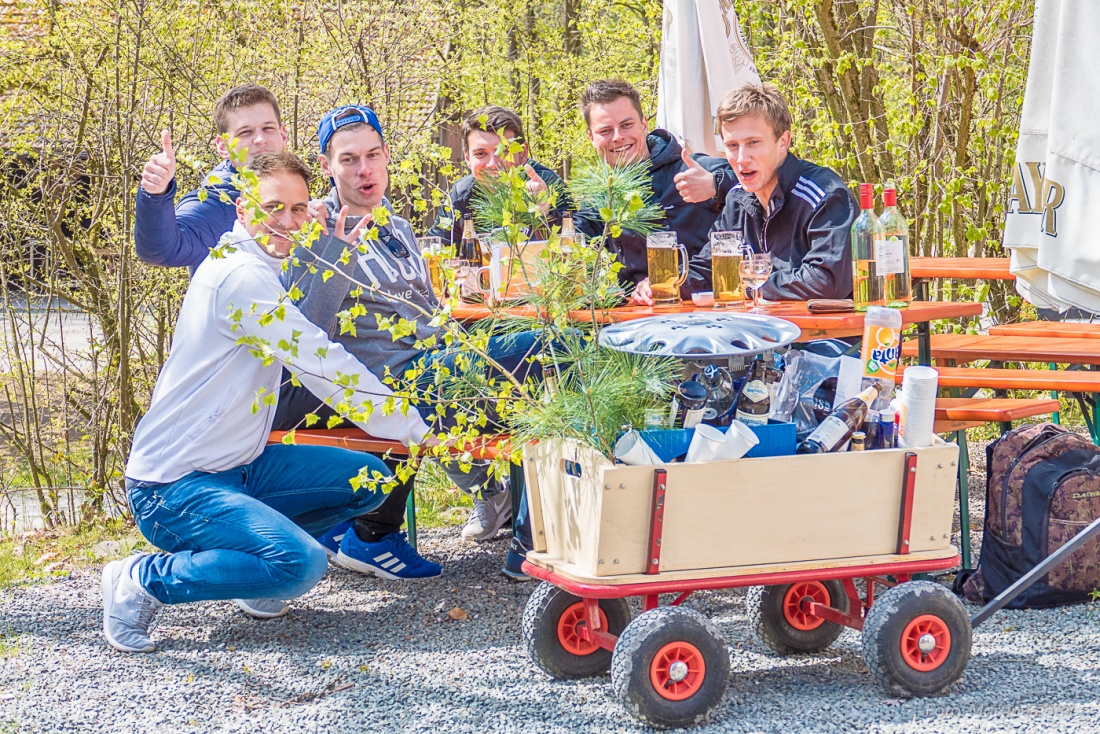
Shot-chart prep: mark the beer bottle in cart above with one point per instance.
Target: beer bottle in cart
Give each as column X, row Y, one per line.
column 754, row 404
column 835, row 430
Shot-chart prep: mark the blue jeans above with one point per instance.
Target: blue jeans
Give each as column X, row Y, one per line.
column 248, row 532
column 510, row 351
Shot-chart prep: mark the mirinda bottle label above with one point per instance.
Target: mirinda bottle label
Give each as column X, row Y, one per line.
column 881, row 350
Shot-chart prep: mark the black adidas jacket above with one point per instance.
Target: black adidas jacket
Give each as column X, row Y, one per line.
column 692, row 222
column 807, row 231
column 463, row 191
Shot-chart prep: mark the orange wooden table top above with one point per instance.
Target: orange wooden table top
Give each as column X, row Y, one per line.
column 1011, row 379
column 813, row 325
column 972, row 347
column 985, row 268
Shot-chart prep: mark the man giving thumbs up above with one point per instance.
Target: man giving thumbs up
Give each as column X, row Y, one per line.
column 182, row 235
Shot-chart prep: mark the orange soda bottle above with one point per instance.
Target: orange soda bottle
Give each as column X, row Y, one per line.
column 880, row 352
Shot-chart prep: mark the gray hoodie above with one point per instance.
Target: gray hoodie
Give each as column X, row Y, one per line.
column 383, row 276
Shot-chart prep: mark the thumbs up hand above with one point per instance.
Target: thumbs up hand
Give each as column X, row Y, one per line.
column 536, row 186
column 696, row 183
column 159, row 171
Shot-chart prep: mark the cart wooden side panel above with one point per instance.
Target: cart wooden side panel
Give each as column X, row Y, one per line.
column 789, row 509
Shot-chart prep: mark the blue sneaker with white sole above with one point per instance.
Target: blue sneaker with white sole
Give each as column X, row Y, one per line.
column 389, row 558
column 330, row 541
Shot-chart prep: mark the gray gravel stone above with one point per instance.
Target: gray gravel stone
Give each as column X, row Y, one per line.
column 361, row 654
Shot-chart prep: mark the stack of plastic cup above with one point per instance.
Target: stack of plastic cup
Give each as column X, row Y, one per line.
column 918, row 407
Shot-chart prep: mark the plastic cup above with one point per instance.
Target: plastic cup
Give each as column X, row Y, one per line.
column 739, row 441
column 632, row 449
column 706, row 444
column 918, row 407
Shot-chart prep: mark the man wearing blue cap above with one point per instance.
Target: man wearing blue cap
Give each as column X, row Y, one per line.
column 355, row 156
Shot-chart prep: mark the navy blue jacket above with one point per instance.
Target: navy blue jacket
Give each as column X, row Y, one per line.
column 182, row 235
column 463, row 191
column 807, row 230
column 692, row 222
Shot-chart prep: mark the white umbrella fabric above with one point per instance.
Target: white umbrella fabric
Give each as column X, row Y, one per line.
column 703, row 57
column 1050, row 229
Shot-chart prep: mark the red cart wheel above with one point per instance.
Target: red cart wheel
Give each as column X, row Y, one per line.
column 552, row 622
column 569, row 630
column 779, row 622
column 916, row 640
column 670, row 667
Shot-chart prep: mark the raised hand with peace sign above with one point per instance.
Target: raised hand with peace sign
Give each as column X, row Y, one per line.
column 695, row 184
column 536, row 186
column 159, row 171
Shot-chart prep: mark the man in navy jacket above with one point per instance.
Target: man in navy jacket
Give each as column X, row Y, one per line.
column 182, row 235
column 690, row 188
column 482, row 131
column 799, row 213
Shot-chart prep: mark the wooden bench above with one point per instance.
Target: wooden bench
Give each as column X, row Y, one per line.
column 958, row 414
column 357, row 440
column 972, row 347
column 1068, row 329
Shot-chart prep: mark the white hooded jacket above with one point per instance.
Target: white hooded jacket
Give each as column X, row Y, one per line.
column 208, row 411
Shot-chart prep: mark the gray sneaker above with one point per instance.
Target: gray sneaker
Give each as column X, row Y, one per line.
column 263, row 608
column 128, row 609
column 488, row 517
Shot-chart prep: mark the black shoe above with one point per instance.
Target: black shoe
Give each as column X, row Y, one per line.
column 513, row 562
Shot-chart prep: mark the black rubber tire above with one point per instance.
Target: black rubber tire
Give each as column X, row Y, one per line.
column 639, row 644
column 890, row 614
column 764, row 605
column 540, row 632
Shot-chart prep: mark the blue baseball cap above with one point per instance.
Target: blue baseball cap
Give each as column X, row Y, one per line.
column 342, row 116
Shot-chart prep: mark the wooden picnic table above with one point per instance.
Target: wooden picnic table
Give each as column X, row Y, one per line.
column 813, row 325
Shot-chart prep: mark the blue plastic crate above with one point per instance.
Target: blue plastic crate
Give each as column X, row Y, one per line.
column 776, row 439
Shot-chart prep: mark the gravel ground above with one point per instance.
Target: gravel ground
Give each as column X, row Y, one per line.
column 360, row 654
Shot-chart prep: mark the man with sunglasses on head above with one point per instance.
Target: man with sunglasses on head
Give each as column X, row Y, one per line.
column 396, row 286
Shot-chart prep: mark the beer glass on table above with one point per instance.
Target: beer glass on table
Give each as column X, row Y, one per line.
column 431, row 249
column 726, row 251
column 755, row 269
column 667, row 267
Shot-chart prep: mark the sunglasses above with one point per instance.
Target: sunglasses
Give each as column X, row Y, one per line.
column 385, row 236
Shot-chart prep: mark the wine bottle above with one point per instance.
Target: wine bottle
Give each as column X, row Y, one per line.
column 894, row 262
column 835, row 430
column 867, row 235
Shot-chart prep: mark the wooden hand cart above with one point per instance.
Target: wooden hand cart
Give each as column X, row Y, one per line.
column 801, row 528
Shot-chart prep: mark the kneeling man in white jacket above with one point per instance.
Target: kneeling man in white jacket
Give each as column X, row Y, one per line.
column 236, row 518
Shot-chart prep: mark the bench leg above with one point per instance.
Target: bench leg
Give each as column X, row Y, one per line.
column 1057, row 417
column 964, row 497
column 410, row 516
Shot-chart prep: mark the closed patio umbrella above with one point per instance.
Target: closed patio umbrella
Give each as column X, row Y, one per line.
column 1050, row 230
column 703, row 57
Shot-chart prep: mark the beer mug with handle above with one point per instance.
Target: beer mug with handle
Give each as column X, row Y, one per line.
column 668, row 267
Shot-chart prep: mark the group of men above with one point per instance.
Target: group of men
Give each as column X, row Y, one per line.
column 237, row 519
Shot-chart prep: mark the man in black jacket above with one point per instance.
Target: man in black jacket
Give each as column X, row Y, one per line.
column 799, row 213
column 690, row 188
column 481, row 136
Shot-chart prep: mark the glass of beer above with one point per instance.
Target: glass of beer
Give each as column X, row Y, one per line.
column 726, row 251
column 667, row 267
column 431, row 249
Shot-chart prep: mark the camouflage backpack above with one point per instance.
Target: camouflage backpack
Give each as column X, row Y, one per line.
column 1042, row 488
